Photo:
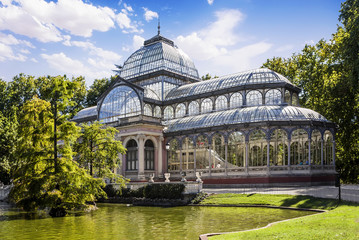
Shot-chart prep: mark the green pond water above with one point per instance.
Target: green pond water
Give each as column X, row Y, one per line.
column 116, row 221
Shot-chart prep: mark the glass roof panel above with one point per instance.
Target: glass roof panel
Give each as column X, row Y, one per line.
column 258, row 76
column 243, row 115
column 86, row 112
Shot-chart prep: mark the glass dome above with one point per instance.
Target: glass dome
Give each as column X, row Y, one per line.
column 158, row 53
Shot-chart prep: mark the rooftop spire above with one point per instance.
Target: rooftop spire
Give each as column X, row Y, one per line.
column 159, row 27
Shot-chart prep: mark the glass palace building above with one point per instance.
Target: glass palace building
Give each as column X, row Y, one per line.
column 242, row 128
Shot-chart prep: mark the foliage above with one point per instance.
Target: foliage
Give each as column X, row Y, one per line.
column 328, row 74
column 98, row 87
column 166, row 191
column 207, row 77
column 199, row 198
column 110, row 191
column 97, row 151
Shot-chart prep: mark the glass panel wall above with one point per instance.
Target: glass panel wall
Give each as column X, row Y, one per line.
column 273, row 97
column 315, row 148
column 218, row 151
column 236, row 100
column 157, row 112
column 295, row 100
column 328, row 148
column 168, row 113
column 221, row 103
column 299, row 147
column 257, row 145
column 193, row 108
column 287, row 97
column 202, row 155
column 278, row 155
column 254, row 98
column 187, row 154
column 173, row 155
column 149, row 155
column 180, row 110
column 207, row 105
column 236, row 150
column 147, row 110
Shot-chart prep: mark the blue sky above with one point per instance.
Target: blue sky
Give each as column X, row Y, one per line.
column 87, row 37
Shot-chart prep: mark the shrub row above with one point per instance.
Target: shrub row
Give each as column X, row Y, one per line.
column 151, row 191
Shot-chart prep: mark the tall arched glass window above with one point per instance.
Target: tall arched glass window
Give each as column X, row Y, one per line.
column 202, row 156
column 236, row 100
column 131, row 155
column 295, row 100
column 287, row 97
column 122, row 101
column 168, row 113
column 147, row 110
column 193, row 108
column 221, row 103
column 218, row 151
column 157, row 112
column 299, row 148
column 173, row 155
column 180, row 110
column 236, row 150
column 257, row 144
column 328, row 149
column 254, row 98
column 273, row 97
column 207, row 105
column 149, row 155
column 315, row 148
column 278, row 154
column 187, row 154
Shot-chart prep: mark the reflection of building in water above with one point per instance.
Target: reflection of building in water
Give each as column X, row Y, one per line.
column 245, row 127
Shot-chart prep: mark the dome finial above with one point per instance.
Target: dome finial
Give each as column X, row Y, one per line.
column 159, row 27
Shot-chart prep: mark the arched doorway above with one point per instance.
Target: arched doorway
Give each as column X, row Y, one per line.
column 149, row 155
column 132, row 156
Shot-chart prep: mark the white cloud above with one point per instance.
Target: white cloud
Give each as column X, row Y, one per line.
column 137, row 42
column 219, row 49
column 149, row 15
column 6, row 53
column 210, row 2
column 284, row 48
column 128, row 7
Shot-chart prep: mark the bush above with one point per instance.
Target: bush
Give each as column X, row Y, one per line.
column 166, row 191
column 199, row 198
column 128, row 193
column 110, row 191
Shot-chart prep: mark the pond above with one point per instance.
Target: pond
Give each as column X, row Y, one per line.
column 117, row 221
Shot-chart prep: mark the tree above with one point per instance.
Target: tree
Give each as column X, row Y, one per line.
column 40, row 180
column 98, row 87
column 97, row 151
column 328, row 74
column 207, row 77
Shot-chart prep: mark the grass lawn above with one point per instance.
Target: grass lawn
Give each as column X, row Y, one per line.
column 340, row 222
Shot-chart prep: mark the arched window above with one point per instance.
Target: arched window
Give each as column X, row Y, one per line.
column 207, row 105
column 157, row 112
column 218, row 151
column 202, row 156
column 295, row 100
column 257, row 144
column 193, row 108
column 299, row 148
column 254, row 98
column 131, row 155
column 278, row 153
column 328, row 149
column 173, row 155
column 236, row 100
column 315, row 148
column 168, row 113
column 149, row 155
column 147, row 110
column 287, row 97
column 180, row 110
column 273, row 97
column 122, row 101
column 221, row 103
column 236, row 150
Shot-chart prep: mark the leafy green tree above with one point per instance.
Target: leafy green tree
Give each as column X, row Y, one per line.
column 41, row 180
column 98, row 151
column 98, row 87
column 207, row 77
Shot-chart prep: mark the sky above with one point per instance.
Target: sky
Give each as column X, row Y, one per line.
column 88, row 37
